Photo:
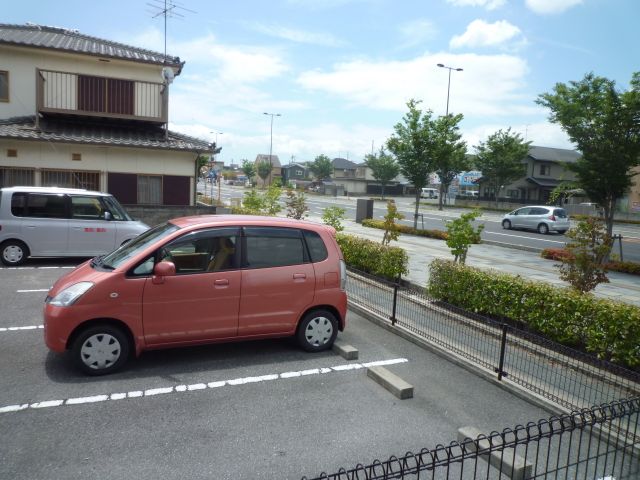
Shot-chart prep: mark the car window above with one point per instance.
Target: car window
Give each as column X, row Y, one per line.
column 46, row 205
column 538, row 211
column 117, row 212
column 560, row 212
column 86, row 208
column 274, row 247
column 19, row 204
column 137, row 245
column 203, row 251
column 317, row 249
column 522, row 211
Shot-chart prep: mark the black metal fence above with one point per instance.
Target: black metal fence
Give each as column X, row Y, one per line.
column 567, row 377
column 594, row 443
column 579, row 445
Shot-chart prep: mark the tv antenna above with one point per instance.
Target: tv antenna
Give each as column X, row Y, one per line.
column 167, row 9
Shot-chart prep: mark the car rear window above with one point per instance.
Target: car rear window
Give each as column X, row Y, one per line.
column 317, row 249
column 560, row 212
column 274, row 247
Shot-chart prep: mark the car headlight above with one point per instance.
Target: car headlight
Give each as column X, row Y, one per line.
column 69, row 295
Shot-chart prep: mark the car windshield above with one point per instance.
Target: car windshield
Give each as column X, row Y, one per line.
column 118, row 212
column 135, row 246
column 560, row 212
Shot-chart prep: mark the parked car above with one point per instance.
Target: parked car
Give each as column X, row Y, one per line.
column 61, row 222
column 197, row 280
column 543, row 219
column 429, row 193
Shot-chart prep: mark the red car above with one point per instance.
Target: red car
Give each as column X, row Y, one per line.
column 197, row 280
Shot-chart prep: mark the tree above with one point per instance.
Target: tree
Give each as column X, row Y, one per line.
column 389, row 225
column 202, row 161
column 333, row 216
column 263, row 169
column 584, row 268
column 296, row 204
column 500, row 159
column 414, row 146
column 249, row 169
column 461, row 235
column 451, row 154
column 384, row 167
column 321, row 167
column 604, row 124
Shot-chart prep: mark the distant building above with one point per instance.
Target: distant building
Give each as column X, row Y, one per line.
column 545, row 170
column 295, row 172
column 276, row 169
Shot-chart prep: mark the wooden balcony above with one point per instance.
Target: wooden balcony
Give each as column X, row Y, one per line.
column 65, row 93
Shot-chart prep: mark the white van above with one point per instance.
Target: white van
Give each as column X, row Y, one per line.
column 61, row 222
column 429, row 193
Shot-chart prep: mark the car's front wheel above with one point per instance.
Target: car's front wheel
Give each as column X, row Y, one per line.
column 13, row 253
column 317, row 330
column 100, row 350
column 543, row 229
column 506, row 224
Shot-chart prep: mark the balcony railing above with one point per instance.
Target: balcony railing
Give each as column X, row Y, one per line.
column 95, row 96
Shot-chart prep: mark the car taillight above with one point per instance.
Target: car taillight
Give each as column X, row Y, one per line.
column 552, row 218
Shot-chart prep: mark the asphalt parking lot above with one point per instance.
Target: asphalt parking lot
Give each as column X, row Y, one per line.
column 247, row 410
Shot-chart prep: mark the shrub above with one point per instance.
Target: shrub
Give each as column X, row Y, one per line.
column 462, row 235
column 373, row 257
column 390, row 231
column 437, row 234
column 557, row 254
column 296, row 205
column 610, row 330
column 333, row 216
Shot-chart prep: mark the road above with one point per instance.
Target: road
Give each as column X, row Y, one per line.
column 432, row 218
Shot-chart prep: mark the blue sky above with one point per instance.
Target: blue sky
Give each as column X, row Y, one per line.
column 341, row 71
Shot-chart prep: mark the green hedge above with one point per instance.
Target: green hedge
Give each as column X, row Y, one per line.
column 438, row 234
column 373, row 257
column 558, row 254
column 611, row 330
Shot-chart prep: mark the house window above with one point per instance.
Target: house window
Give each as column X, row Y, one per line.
column 71, row 179
column 4, row 86
column 512, row 193
column 150, row 189
column 12, row 177
column 545, row 170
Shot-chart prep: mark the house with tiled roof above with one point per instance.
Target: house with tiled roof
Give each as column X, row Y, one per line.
column 276, row 169
column 80, row 111
column 545, row 169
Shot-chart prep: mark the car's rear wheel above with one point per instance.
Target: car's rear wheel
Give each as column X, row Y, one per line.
column 13, row 253
column 317, row 330
column 506, row 224
column 100, row 350
column 543, row 229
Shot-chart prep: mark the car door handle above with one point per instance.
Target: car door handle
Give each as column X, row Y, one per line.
column 299, row 276
column 221, row 283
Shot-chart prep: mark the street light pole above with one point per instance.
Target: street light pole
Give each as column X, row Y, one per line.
column 449, row 83
column 271, row 141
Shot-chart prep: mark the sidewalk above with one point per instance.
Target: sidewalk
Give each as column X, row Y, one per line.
column 623, row 287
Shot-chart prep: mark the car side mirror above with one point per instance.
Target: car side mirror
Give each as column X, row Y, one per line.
column 162, row 270
column 108, row 216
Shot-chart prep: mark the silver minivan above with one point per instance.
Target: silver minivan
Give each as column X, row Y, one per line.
column 61, row 222
column 543, row 219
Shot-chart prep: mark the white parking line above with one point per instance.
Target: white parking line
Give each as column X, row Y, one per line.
column 15, row 329
column 31, row 291
column 196, row 386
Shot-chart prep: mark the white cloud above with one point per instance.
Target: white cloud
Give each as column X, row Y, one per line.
column 417, row 31
column 298, row 36
column 544, row 7
column 488, row 4
column 482, row 34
